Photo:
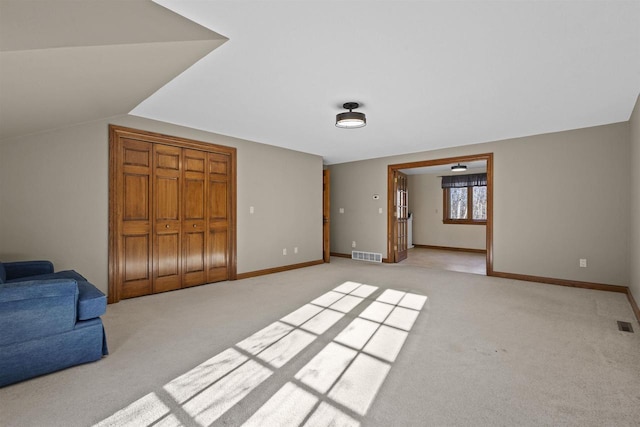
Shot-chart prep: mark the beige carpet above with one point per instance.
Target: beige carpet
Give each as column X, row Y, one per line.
column 438, row 259
column 480, row 351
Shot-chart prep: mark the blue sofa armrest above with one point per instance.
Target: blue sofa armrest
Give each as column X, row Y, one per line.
column 15, row 270
column 36, row 309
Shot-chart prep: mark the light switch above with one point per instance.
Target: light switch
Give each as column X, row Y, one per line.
column 251, row 210
column 341, row 210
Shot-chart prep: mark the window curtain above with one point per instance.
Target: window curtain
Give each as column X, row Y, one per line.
column 459, row 181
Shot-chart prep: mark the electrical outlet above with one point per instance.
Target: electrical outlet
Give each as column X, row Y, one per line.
column 284, row 251
column 341, row 210
column 583, row 262
column 353, row 244
column 295, row 250
column 251, row 210
column 379, row 210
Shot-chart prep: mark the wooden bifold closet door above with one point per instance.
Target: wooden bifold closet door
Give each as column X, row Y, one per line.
column 172, row 208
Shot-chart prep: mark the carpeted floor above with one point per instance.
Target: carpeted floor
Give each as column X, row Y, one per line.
column 480, row 351
column 439, row 259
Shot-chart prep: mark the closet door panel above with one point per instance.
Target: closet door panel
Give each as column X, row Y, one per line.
column 194, row 224
column 194, row 261
column 134, row 214
column 167, row 261
column 194, row 199
column 218, row 201
column 168, row 245
column 136, row 278
column 167, row 230
column 136, row 197
column 136, row 250
column 167, row 193
column 218, row 259
column 219, row 221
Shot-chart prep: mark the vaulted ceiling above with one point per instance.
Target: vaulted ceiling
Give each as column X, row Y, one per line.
column 66, row 62
column 428, row 74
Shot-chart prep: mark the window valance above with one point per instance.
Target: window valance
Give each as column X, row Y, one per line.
column 459, row 181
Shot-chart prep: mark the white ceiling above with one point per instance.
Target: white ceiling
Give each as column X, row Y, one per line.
column 428, row 74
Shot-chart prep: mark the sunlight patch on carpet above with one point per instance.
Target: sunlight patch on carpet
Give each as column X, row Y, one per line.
column 349, row 371
column 144, row 411
column 336, row 387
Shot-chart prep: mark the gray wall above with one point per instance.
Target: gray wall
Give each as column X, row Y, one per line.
column 558, row 197
column 634, row 124
column 54, row 198
column 425, row 203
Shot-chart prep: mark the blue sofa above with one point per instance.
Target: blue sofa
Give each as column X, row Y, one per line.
column 48, row 321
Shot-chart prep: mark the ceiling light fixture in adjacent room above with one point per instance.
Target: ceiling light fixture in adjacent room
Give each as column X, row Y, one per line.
column 350, row 120
column 458, row 168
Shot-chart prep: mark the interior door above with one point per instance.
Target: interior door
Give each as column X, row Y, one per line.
column 167, row 227
column 194, row 225
column 401, row 214
column 133, row 197
column 326, row 215
column 219, row 175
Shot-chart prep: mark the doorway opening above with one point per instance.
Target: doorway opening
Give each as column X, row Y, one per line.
column 399, row 221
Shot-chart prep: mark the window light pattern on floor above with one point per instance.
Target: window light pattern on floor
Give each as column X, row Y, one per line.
column 349, row 371
column 336, row 387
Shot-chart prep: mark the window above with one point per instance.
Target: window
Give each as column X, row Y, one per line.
column 465, row 199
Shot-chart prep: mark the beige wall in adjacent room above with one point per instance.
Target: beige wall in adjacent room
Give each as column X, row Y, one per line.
column 558, row 197
column 634, row 246
column 426, row 205
column 54, row 198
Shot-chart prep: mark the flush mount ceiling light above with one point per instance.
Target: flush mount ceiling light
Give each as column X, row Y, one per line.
column 458, row 168
column 351, row 119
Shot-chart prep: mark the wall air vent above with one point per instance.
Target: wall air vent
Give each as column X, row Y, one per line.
column 366, row 256
column 625, row 326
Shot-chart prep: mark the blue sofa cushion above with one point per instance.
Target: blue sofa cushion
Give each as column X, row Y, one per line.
column 24, row 269
column 91, row 301
column 32, row 310
column 66, row 274
column 3, row 274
